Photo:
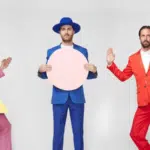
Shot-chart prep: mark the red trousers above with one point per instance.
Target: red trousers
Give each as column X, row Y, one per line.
column 5, row 133
column 140, row 126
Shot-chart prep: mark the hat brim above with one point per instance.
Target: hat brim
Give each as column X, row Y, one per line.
column 76, row 27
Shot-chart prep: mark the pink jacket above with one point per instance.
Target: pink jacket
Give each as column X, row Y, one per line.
column 1, row 73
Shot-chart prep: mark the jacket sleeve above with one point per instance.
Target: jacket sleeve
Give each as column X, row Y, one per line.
column 43, row 75
column 91, row 75
column 121, row 75
column 1, row 73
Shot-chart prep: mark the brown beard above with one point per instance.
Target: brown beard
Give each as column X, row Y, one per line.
column 68, row 40
column 145, row 46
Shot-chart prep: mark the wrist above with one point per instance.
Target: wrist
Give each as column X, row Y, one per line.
column 40, row 70
column 1, row 68
column 94, row 70
column 109, row 64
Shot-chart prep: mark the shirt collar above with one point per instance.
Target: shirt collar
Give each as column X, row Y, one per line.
column 145, row 53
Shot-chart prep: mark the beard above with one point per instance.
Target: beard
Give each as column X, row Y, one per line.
column 67, row 38
column 145, row 44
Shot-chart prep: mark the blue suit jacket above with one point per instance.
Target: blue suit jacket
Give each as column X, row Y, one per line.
column 60, row 96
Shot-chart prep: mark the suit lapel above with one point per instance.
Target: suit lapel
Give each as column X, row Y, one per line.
column 141, row 65
column 149, row 70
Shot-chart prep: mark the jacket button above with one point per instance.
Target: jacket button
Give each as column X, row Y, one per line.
column 145, row 86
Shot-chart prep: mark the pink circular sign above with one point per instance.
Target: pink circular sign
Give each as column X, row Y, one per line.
column 68, row 72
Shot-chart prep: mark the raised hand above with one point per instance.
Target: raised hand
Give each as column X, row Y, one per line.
column 5, row 63
column 110, row 56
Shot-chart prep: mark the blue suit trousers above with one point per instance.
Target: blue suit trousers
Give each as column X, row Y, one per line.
column 77, row 118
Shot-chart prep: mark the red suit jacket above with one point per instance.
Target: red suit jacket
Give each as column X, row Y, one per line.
column 135, row 67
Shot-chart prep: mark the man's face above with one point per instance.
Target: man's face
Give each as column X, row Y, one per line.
column 145, row 38
column 66, row 33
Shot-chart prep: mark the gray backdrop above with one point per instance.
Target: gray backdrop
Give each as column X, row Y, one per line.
column 26, row 34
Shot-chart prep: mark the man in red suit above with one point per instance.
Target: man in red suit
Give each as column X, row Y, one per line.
column 139, row 66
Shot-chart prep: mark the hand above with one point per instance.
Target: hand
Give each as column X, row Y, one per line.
column 110, row 56
column 45, row 68
column 5, row 63
column 90, row 67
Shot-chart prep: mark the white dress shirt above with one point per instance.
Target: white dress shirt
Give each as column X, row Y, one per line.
column 145, row 55
column 66, row 46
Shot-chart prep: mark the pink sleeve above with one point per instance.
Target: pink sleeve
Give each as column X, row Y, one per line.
column 1, row 73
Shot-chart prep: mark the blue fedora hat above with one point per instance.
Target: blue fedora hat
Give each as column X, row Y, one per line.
column 66, row 21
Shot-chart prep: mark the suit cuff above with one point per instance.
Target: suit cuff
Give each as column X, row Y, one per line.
column 42, row 75
column 111, row 66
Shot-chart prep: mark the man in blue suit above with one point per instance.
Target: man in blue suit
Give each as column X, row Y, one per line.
column 63, row 100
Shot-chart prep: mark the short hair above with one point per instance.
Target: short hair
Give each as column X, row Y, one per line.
column 143, row 27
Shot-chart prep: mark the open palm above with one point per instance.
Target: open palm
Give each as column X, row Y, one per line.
column 110, row 56
column 5, row 62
